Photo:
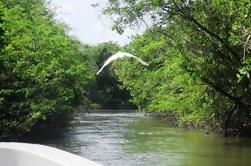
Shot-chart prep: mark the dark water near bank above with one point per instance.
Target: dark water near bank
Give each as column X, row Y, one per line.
column 122, row 139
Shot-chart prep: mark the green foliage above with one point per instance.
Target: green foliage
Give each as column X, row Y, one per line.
column 164, row 85
column 211, row 40
column 105, row 91
column 244, row 72
column 44, row 72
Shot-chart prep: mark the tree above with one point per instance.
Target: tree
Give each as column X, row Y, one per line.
column 163, row 86
column 209, row 36
column 44, row 72
column 105, row 91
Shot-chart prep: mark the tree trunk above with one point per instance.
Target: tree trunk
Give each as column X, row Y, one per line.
column 228, row 120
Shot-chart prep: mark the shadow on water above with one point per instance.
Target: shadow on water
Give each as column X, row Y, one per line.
column 128, row 138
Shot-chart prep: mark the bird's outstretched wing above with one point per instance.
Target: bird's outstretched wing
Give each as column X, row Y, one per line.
column 109, row 60
column 140, row 60
column 120, row 55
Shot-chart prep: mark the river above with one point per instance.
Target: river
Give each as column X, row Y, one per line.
column 128, row 139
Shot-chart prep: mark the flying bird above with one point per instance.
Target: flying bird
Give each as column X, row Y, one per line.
column 120, row 55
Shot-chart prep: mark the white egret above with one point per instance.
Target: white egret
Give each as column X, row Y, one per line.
column 120, row 55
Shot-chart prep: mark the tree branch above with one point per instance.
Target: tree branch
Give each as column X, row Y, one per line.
column 181, row 13
column 220, row 90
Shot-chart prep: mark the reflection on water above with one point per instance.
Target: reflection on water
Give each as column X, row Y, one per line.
column 115, row 139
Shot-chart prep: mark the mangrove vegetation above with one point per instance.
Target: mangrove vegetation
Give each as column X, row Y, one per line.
column 199, row 55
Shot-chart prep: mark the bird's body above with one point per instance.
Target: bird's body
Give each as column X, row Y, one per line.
column 120, row 55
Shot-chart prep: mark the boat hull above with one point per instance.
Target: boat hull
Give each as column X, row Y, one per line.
column 22, row 154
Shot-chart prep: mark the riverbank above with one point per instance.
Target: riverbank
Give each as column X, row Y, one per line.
column 207, row 126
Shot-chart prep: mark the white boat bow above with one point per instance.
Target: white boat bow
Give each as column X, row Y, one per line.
column 24, row 154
